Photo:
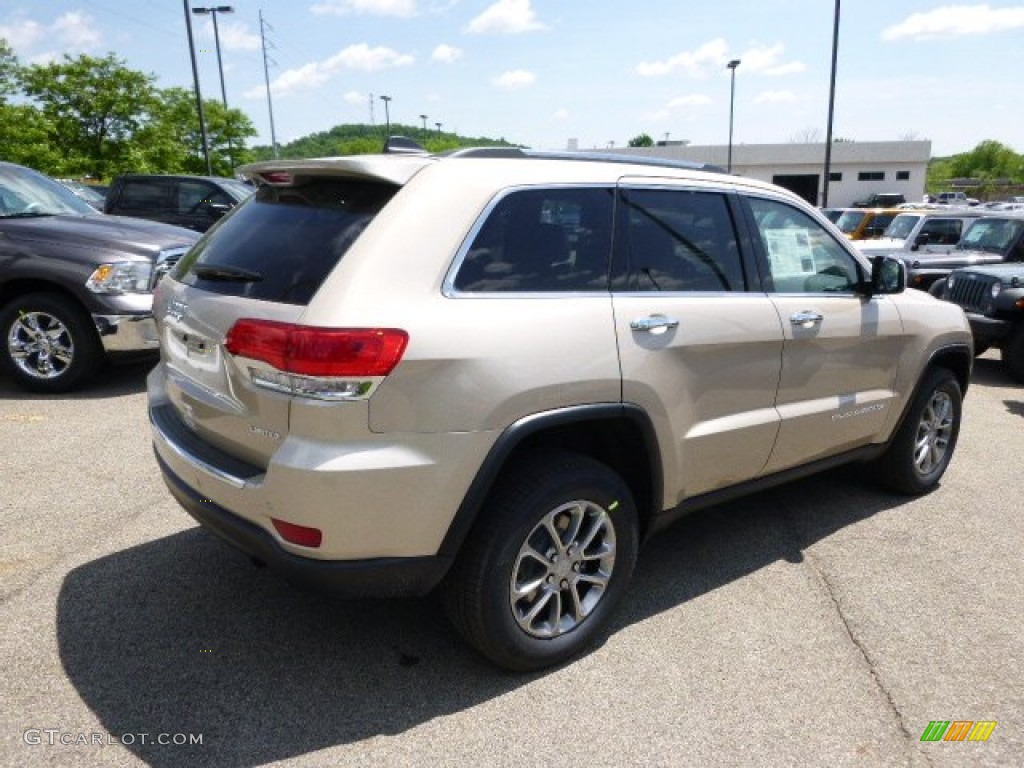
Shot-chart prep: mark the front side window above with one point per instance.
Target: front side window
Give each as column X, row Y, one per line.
column 541, row 240
column 679, row 240
column 942, row 231
column 802, row 256
column 901, row 227
column 193, row 196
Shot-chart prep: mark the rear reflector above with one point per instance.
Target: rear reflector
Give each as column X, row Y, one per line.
column 312, row 351
column 298, row 534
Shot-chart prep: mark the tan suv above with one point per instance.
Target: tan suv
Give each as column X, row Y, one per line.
column 497, row 372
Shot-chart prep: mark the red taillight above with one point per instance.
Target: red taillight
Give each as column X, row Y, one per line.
column 312, row 351
column 277, row 178
column 298, row 534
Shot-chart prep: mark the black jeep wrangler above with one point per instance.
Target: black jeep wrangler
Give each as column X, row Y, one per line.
column 992, row 297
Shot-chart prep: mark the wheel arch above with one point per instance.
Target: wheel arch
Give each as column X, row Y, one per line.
column 23, row 286
column 619, row 436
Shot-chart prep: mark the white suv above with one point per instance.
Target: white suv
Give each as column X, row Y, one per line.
column 497, row 372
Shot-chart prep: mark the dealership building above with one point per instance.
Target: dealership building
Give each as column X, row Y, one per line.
column 857, row 169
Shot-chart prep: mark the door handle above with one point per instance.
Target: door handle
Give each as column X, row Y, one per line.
column 654, row 324
column 806, row 319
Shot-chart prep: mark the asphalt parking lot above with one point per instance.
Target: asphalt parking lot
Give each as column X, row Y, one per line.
column 824, row 623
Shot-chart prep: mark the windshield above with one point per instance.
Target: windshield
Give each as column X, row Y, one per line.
column 993, row 235
column 848, row 222
column 238, row 190
column 899, row 228
column 25, row 193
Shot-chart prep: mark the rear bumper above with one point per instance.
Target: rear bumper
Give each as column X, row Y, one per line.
column 377, row 577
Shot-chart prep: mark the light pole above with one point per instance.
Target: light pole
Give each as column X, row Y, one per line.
column 831, row 107
column 424, row 119
column 387, row 116
column 199, row 93
column 438, row 128
column 732, row 101
column 213, row 11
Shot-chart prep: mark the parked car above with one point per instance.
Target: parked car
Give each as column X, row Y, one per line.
column 497, row 371
column 988, row 240
column 924, row 231
column 954, row 198
column 865, row 224
column 832, row 214
column 992, row 296
column 75, row 284
column 881, row 200
column 194, row 202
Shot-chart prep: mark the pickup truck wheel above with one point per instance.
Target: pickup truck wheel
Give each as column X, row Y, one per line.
column 49, row 343
column 918, row 455
column 1013, row 353
column 546, row 563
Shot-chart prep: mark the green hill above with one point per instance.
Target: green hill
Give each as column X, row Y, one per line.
column 361, row 139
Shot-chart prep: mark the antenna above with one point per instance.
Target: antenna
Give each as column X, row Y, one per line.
column 264, row 26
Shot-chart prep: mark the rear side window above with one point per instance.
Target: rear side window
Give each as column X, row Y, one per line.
column 144, row 195
column 542, row 240
column 281, row 244
column 679, row 240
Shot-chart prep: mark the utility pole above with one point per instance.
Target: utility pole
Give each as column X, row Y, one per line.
column 266, row 74
column 387, row 117
column 213, row 11
column 199, row 93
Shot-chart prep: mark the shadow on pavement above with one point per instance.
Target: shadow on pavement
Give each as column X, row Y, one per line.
column 184, row 635
column 114, row 379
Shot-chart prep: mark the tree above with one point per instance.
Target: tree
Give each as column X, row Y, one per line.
column 94, row 107
column 643, row 140
column 24, row 132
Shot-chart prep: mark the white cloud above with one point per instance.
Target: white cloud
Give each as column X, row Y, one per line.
column 75, row 30
column 561, row 114
column 356, row 98
column 692, row 100
column 714, row 54
column 309, row 76
column 956, row 21
column 71, row 33
column 518, row 78
column 775, row 97
column 692, row 63
column 235, row 36
column 401, row 8
column 507, row 17
column 446, row 54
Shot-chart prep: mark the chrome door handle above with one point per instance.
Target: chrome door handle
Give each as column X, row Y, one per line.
column 654, row 324
column 806, row 319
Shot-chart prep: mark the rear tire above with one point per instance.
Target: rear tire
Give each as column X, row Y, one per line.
column 49, row 343
column 1013, row 353
column 923, row 445
column 546, row 563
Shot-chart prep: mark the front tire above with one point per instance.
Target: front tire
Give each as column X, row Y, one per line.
column 49, row 343
column 546, row 563
column 923, row 446
column 1013, row 353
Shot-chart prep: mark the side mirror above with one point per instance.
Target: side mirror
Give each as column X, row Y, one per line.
column 888, row 275
column 217, row 209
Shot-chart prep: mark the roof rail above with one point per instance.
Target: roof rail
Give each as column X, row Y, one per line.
column 594, row 157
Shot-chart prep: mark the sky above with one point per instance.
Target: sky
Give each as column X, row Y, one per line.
column 544, row 72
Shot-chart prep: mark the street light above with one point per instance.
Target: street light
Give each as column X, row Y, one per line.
column 387, row 116
column 732, row 101
column 438, row 128
column 199, row 93
column 831, row 108
column 213, row 11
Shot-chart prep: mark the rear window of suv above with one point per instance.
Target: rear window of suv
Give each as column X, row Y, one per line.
column 282, row 243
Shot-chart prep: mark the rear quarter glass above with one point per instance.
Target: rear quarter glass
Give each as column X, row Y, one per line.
column 289, row 238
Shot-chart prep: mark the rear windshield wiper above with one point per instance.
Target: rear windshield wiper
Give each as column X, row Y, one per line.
column 26, row 215
column 225, row 273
